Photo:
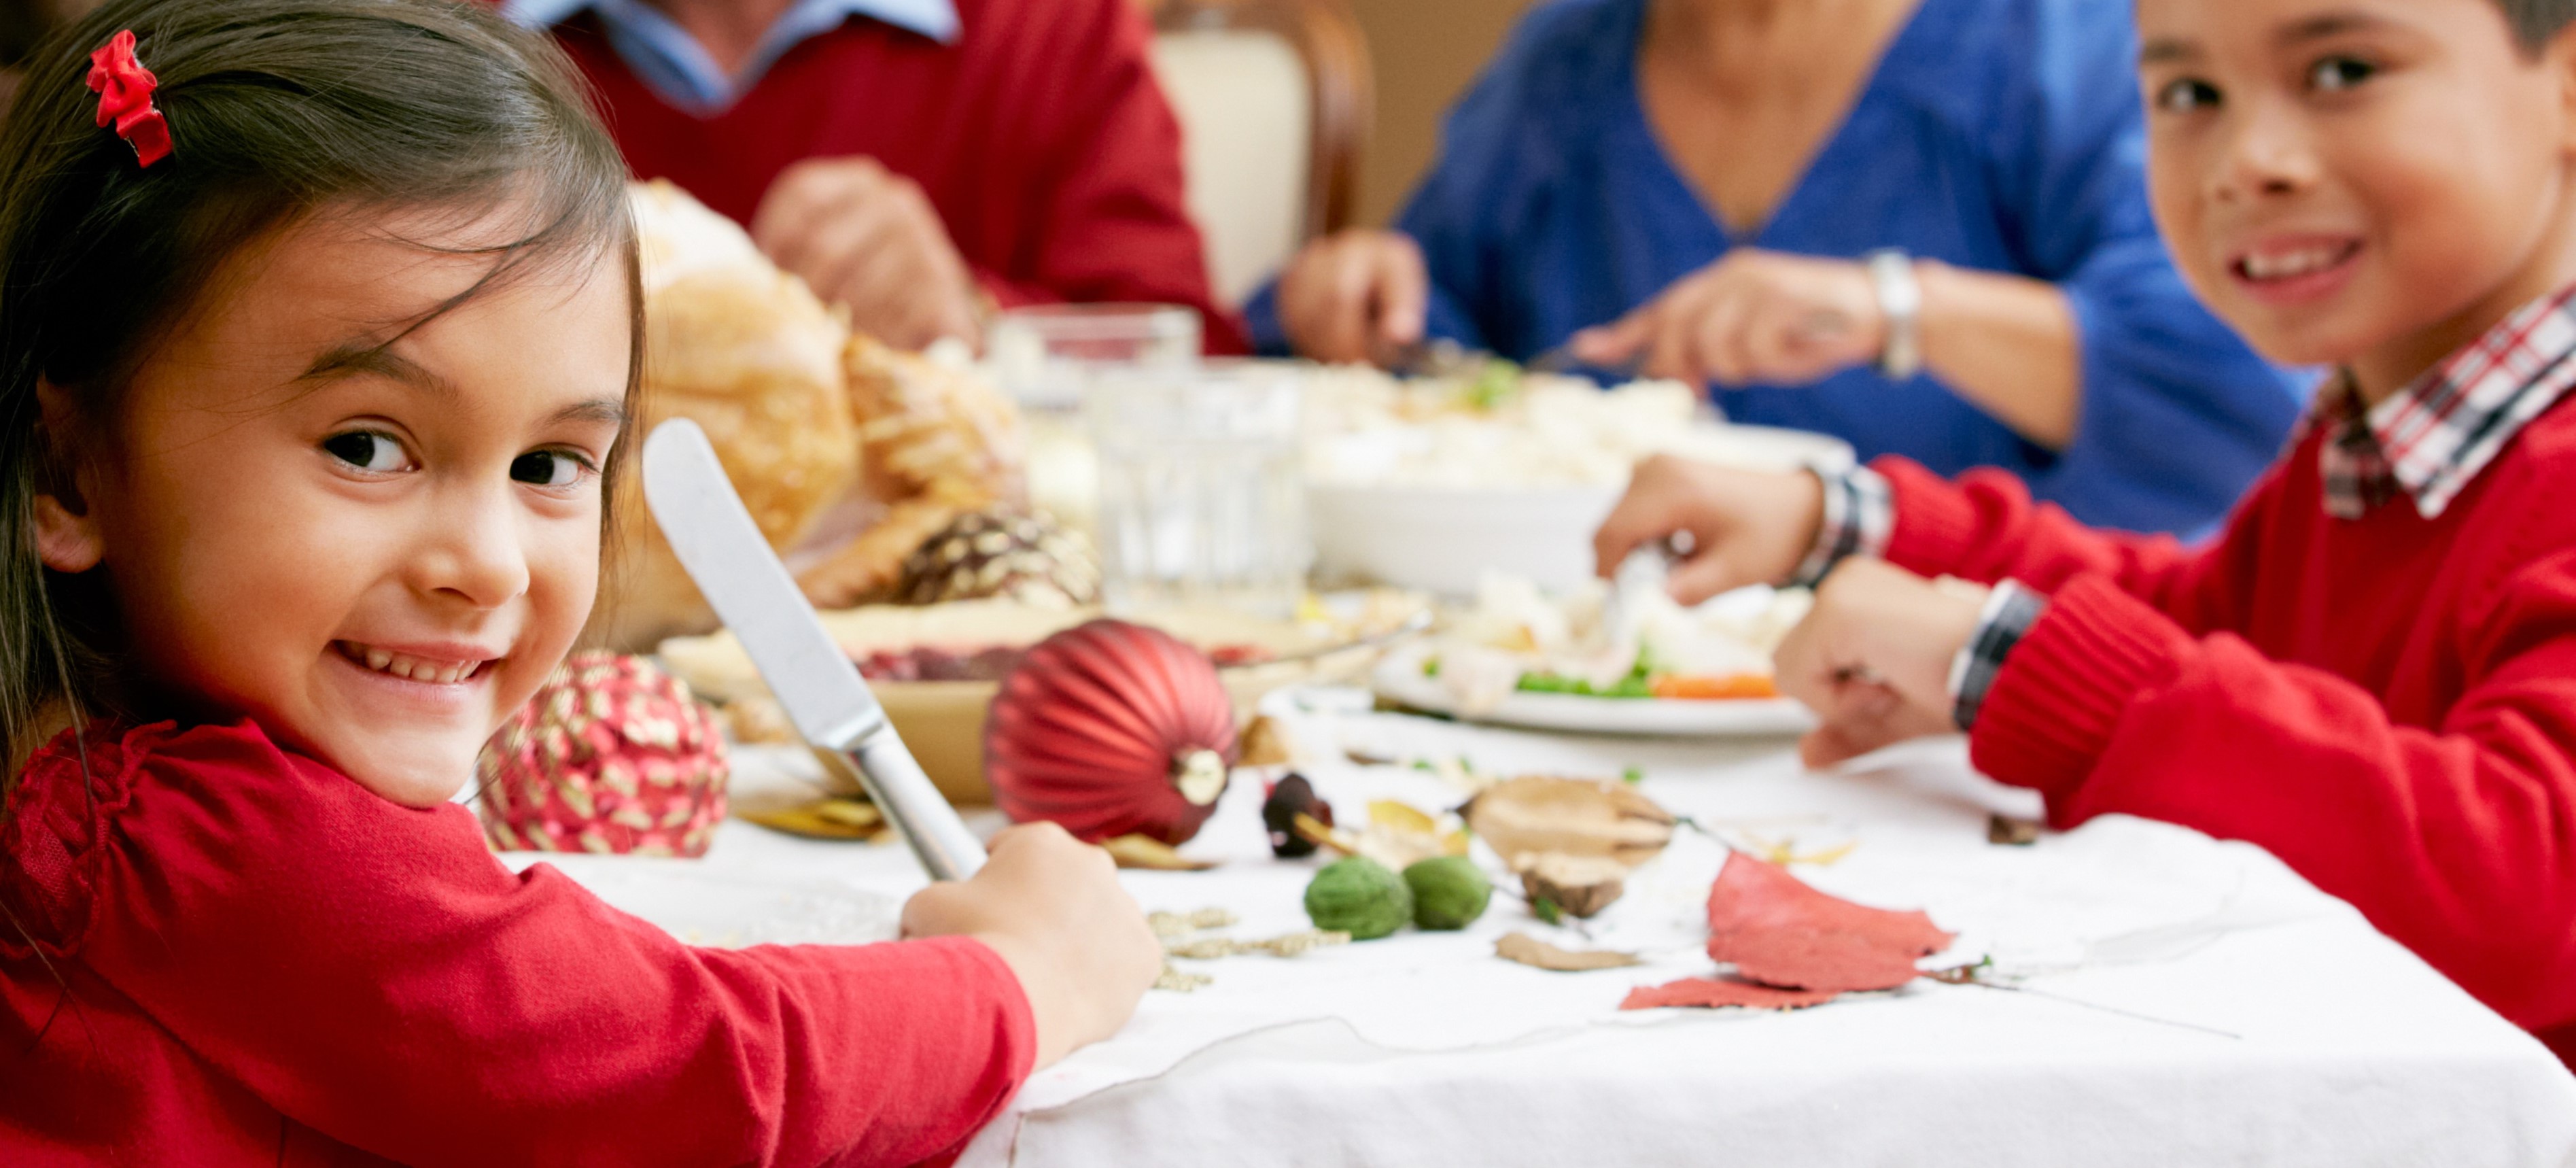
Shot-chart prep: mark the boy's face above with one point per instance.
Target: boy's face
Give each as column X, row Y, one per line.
column 2362, row 182
column 377, row 550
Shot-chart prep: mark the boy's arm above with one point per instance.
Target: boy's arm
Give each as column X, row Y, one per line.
column 372, row 972
column 1984, row 527
column 2458, row 841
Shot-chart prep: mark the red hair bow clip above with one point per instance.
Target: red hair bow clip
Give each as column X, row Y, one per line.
column 124, row 89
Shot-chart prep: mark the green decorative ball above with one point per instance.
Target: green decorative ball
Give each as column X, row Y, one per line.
column 1360, row 897
column 1449, row 892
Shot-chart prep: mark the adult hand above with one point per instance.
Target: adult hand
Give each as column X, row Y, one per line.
column 1745, row 527
column 1753, row 316
column 866, row 238
column 1051, row 906
column 1873, row 657
column 1355, row 296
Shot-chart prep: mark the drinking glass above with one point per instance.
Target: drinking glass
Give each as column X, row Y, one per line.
column 1047, row 359
column 1202, row 498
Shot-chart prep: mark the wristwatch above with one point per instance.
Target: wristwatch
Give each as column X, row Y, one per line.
column 1900, row 304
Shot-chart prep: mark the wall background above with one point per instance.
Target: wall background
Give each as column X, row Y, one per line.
column 1423, row 53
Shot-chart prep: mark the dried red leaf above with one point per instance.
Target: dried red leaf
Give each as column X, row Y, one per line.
column 1828, row 962
column 1719, row 992
column 1780, row 932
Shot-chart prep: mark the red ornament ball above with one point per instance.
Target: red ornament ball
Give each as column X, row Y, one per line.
column 1111, row 729
column 611, row 755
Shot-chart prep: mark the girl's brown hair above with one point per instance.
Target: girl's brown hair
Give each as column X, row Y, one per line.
column 278, row 109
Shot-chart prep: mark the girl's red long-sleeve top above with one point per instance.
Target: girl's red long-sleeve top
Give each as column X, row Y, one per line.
column 2387, row 703
column 216, row 952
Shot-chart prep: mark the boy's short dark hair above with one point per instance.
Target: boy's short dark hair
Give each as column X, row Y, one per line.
column 2535, row 21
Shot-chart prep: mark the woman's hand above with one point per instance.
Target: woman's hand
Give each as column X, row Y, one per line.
column 1873, row 658
column 1745, row 527
column 1051, row 906
column 1753, row 316
column 1354, row 296
column 865, row 237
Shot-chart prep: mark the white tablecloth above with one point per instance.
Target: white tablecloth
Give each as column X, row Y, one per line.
column 2182, row 1000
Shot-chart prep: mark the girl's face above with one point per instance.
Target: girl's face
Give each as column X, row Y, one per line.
column 376, row 543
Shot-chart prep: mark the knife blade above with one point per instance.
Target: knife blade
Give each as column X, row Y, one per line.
column 714, row 537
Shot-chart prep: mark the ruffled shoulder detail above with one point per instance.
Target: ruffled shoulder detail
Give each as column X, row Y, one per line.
column 51, row 840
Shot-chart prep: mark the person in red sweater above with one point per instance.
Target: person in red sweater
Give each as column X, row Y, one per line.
column 2372, row 671
column 914, row 160
column 308, row 433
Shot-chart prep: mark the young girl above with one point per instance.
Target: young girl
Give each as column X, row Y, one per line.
column 317, row 342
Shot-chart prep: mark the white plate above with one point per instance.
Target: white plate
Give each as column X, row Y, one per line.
column 1400, row 677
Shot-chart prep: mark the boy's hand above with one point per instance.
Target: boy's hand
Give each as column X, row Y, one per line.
column 1746, row 527
column 1051, row 906
column 1873, row 658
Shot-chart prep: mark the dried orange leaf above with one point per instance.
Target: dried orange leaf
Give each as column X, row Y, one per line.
column 835, row 818
column 1143, row 851
column 1529, row 950
column 1263, row 744
column 1401, row 816
column 1718, row 992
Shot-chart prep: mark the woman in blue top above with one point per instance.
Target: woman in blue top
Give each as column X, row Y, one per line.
column 1917, row 224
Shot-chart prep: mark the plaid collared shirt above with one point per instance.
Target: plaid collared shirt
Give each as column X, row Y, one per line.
column 2429, row 440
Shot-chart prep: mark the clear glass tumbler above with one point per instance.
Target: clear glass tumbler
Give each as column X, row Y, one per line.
column 1048, row 357
column 1202, row 497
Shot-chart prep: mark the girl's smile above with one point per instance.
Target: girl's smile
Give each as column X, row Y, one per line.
column 371, row 525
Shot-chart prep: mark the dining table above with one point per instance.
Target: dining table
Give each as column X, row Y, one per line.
column 2133, row 992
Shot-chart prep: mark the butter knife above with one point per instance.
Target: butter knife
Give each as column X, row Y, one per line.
column 714, row 536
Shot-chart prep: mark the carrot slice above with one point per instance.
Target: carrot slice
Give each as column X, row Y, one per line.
column 1690, row 687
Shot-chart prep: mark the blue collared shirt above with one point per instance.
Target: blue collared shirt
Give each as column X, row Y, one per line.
column 672, row 63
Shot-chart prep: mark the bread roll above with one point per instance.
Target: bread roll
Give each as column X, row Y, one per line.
column 748, row 353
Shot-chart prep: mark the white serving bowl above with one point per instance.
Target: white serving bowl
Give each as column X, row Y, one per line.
column 1441, row 538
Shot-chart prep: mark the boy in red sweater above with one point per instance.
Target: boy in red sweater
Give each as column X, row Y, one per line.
column 2372, row 672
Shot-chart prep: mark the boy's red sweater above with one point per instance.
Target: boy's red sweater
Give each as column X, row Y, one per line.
column 2388, row 704
column 1040, row 136
column 240, row 956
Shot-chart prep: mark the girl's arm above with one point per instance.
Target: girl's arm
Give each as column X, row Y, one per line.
column 371, row 971
column 2459, row 841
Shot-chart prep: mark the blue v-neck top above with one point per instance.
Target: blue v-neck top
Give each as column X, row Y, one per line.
column 2003, row 135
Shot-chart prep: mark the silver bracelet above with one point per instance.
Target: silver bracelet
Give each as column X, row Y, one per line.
column 1900, row 305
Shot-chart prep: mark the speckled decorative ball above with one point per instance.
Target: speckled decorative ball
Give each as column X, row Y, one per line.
column 1016, row 555
column 611, row 755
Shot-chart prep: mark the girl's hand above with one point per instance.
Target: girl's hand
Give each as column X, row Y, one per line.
column 1873, row 658
column 1051, row 906
column 1746, row 527
column 1753, row 316
column 1354, row 296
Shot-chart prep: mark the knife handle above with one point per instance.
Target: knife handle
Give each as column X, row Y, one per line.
column 916, row 808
